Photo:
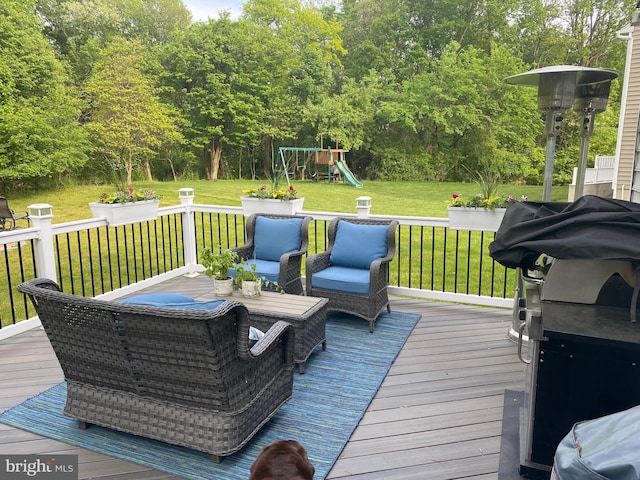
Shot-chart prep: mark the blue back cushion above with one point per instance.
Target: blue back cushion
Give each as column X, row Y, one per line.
column 275, row 237
column 356, row 246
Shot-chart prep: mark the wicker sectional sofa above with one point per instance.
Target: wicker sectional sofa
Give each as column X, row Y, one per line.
column 185, row 377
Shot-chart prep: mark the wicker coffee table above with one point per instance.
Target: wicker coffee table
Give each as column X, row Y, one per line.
column 307, row 315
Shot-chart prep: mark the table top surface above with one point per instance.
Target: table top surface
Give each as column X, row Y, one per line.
column 284, row 305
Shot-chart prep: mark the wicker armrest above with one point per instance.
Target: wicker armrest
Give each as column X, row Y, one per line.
column 317, row 262
column 284, row 259
column 245, row 252
column 281, row 330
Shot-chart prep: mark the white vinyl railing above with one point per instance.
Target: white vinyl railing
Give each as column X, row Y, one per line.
column 35, row 251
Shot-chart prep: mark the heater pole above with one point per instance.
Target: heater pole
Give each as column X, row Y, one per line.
column 552, row 128
column 587, row 132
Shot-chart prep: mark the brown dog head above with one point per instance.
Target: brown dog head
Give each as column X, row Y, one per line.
column 282, row 460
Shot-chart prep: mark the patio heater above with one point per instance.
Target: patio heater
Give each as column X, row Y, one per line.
column 558, row 87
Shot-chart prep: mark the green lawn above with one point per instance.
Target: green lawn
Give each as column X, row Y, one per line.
column 392, row 198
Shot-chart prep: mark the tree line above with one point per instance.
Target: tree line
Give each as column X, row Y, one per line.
column 118, row 90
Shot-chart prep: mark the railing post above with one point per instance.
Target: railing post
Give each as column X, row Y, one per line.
column 41, row 215
column 363, row 205
column 188, row 231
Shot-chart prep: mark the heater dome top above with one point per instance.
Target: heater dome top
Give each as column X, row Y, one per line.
column 582, row 75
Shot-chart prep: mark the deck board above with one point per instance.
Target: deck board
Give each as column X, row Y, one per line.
column 437, row 415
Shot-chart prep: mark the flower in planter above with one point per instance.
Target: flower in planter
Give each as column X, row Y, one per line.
column 128, row 195
column 488, row 198
column 283, row 193
column 482, row 201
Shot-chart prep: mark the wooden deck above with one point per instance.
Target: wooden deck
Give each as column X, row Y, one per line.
column 437, row 415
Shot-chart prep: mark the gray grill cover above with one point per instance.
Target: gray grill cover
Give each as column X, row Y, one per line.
column 591, row 227
column 607, row 448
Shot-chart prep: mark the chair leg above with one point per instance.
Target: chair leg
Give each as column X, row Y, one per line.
column 389, row 307
column 82, row 425
column 371, row 325
column 215, row 458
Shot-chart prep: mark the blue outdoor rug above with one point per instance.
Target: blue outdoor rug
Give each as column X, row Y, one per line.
column 328, row 402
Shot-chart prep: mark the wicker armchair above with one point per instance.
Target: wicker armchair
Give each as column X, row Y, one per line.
column 276, row 244
column 353, row 273
column 185, row 377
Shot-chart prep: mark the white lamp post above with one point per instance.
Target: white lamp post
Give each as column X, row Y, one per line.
column 363, row 205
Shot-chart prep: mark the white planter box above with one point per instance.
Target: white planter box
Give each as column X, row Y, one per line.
column 124, row 213
column 475, row 218
column 270, row 205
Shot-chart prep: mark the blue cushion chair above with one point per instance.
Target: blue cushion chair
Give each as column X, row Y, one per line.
column 276, row 244
column 353, row 273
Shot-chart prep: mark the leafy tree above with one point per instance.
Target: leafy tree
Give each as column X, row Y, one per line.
column 81, row 29
column 348, row 117
column 241, row 84
column 39, row 135
column 378, row 35
column 538, row 36
column 208, row 84
column 298, row 44
column 463, row 116
column 127, row 121
column 592, row 29
column 418, row 92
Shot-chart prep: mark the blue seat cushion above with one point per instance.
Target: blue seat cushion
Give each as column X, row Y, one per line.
column 356, row 246
column 267, row 269
column 158, row 299
column 275, row 237
column 342, row 279
column 171, row 300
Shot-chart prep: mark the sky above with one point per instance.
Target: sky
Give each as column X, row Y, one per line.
column 201, row 10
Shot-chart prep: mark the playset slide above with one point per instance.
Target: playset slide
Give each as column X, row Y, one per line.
column 348, row 176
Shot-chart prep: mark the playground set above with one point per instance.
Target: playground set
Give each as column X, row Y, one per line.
column 326, row 164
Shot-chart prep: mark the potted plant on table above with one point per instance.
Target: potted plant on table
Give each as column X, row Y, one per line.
column 216, row 266
column 247, row 279
column 126, row 205
column 273, row 199
column 483, row 211
column 250, row 282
